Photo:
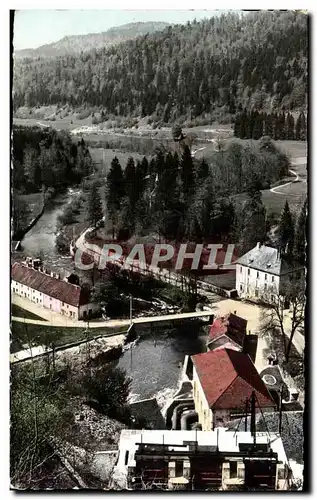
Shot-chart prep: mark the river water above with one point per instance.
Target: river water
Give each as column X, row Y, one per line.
column 41, row 238
column 154, row 363
column 154, row 360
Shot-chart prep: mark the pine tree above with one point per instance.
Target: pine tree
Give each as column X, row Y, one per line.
column 289, row 127
column 303, row 128
column 253, row 221
column 237, row 126
column 94, row 208
column 202, row 170
column 187, row 175
column 286, row 231
column 115, row 187
column 300, row 236
column 129, row 180
column 145, row 166
column 298, row 128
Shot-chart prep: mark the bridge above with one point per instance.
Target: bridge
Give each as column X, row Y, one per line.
column 170, row 318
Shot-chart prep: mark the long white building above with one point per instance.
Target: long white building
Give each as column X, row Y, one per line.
column 49, row 291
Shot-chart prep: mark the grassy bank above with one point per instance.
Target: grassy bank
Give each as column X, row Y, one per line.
column 39, row 334
column 23, row 313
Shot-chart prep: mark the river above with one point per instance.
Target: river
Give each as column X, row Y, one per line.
column 41, row 238
column 154, row 363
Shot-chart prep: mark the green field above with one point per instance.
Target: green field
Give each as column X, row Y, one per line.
column 40, row 334
column 103, row 158
column 274, row 203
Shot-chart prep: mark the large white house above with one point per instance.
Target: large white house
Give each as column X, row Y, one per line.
column 262, row 274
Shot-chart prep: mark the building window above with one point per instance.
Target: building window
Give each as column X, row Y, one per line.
column 257, row 274
column 272, row 279
column 233, row 469
column 240, row 269
column 179, row 468
column 50, row 298
column 63, row 304
column 248, row 272
column 126, row 457
column 241, row 288
column 67, row 306
column 265, row 277
column 265, row 286
column 256, row 292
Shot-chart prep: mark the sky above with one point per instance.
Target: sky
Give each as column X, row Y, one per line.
column 33, row 28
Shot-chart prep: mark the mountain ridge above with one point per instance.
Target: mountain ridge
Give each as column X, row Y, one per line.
column 74, row 44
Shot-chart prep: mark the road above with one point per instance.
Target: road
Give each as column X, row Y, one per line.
column 295, row 161
column 252, row 313
column 163, row 274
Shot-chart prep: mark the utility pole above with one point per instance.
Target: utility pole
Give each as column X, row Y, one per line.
column 253, row 429
column 280, row 412
column 130, row 310
column 246, row 416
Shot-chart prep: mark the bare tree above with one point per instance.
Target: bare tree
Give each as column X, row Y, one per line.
column 285, row 314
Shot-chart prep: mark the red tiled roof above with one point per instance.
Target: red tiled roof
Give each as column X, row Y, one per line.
column 227, row 345
column 231, row 325
column 53, row 287
column 228, row 377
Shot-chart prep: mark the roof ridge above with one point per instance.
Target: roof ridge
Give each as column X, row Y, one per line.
column 268, row 396
column 226, row 388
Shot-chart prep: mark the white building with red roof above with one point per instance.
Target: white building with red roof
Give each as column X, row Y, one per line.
column 49, row 291
column 223, row 382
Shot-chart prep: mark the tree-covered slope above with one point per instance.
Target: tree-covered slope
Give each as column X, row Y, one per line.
column 220, row 65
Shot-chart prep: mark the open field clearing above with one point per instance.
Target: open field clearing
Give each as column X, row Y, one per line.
column 294, row 193
column 103, row 158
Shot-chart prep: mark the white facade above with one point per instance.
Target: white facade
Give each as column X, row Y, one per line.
column 254, row 284
column 205, row 414
column 262, row 274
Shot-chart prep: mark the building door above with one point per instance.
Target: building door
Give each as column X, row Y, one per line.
column 85, row 314
column 260, row 474
column 206, row 474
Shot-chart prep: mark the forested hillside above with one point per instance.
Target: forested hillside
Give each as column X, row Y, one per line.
column 44, row 160
column 210, row 69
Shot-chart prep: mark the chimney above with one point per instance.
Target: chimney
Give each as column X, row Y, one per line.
column 294, row 396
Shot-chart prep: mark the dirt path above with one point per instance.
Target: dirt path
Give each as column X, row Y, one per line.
column 295, row 161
